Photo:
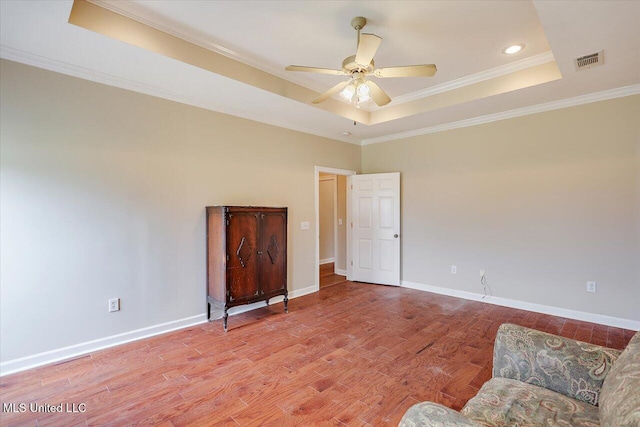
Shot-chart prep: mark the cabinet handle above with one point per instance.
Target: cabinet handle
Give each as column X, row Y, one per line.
column 259, row 252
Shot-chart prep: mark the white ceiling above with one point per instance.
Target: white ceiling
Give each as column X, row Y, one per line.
column 463, row 38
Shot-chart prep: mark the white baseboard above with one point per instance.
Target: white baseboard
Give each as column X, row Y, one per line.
column 529, row 306
column 52, row 356
column 327, row 260
column 28, row 362
column 341, row 272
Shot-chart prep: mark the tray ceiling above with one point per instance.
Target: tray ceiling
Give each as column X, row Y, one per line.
column 229, row 56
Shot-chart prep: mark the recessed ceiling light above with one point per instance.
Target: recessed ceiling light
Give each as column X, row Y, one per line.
column 346, row 133
column 513, row 49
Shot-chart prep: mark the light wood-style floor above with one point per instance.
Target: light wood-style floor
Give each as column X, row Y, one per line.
column 328, row 276
column 352, row 354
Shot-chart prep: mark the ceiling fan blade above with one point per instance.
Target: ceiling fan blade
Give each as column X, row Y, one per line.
column 427, row 70
column 377, row 94
column 327, row 94
column 367, row 47
column 315, row 70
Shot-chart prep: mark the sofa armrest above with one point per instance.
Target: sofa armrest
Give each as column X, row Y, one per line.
column 573, row 368
column 429, row 414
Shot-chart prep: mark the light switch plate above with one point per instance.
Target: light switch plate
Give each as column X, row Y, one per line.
column 304, row 225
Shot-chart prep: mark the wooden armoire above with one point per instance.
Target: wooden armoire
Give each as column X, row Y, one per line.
column 246, row 256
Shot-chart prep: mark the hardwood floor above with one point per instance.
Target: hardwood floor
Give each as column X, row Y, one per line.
column 328, row 276
column 352, row 354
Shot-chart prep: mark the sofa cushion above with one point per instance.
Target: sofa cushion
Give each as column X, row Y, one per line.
column 573, row 368
column 506, row 402
column 429, row 414
column 620, row 396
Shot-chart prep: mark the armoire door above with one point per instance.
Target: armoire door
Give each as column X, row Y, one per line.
column 273, row 273
column 242, row 253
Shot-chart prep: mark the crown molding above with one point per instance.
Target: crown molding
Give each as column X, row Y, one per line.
column 134, row 12
column 491, row 73
column 137, row 15
column 152, row 36
column 525, row 111
column 191, row 38
column 136, row 86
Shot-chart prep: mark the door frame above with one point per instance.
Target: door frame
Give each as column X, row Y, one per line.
column 332, row 171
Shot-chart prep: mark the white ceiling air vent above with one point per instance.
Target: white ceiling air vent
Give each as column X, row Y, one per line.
column 589, row 61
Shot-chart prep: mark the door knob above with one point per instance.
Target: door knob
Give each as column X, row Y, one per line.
column 395, row 235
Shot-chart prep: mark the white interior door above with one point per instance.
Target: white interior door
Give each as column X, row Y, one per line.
column 375, row 228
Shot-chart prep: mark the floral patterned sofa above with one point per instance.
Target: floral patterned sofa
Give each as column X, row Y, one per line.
column 541, row 379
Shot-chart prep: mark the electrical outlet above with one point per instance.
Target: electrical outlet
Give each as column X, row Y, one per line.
column 114, row 304
column 454, row 269
column 591, row 286
column 339, row 221
column 482, row 272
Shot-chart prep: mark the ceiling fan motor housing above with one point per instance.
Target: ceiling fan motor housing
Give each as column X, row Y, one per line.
column 349, row 65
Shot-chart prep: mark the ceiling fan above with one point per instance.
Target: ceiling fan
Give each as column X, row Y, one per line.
column 357, row 89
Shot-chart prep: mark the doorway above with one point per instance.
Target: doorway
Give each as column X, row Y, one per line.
column 332, row 217
column 332, row 212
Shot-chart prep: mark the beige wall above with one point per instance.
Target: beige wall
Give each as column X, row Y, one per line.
column 103, row 193
column 544, row 203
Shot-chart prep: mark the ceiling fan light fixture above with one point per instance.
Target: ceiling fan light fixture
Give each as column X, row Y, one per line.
column 363, row 91
column 513, row 49
column 348, row 92
column 364, row 97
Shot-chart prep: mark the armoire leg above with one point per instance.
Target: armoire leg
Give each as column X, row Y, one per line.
column 286, row 304
column 226, row 316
